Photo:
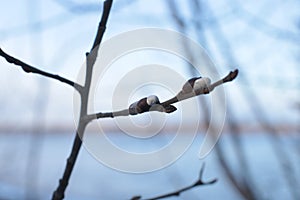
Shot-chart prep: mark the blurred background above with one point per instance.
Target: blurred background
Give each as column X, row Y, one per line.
column 258, row 154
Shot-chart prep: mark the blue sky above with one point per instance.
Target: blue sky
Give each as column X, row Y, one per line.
column 264, row 39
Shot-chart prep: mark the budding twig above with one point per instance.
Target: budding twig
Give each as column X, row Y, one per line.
column 166, row 106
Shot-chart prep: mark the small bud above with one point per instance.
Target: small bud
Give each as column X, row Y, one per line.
column 143, row 105
column 201, row 85
column 133, row 109
column 170, row 109
column 188, row 86
column 153, row 99
column 198, row 85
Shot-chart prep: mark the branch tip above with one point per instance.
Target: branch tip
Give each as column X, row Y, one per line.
column 231, row 76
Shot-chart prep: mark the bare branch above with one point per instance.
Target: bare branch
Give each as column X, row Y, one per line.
column 58, row 194
column 197, row 183
column 30, row 69
column 175, row 14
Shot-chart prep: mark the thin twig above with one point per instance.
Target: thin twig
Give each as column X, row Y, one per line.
column 197, row 183
column 30, row 69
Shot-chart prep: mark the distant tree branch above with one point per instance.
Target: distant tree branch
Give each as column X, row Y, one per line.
column 197, row 183
column 30, row 69
column 73, row 6
column 263, row 26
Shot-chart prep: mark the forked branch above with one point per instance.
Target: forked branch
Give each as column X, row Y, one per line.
column 197, row 183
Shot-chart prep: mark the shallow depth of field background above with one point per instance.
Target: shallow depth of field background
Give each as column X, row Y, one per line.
column 259, row 148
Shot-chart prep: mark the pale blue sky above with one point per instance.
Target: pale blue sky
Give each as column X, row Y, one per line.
column 264, row 38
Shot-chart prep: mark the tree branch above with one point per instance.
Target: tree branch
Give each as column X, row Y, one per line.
column 197, row 183
column 30, row 69
column 58, row 194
